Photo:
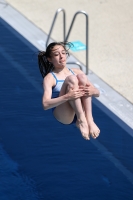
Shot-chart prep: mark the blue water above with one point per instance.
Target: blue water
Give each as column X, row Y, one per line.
column 12, row 184
column 42, row 159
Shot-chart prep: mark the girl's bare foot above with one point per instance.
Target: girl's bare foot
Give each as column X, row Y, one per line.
column 83, row 127
column 94, row 131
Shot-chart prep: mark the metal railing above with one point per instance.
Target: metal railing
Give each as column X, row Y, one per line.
column 87, row 32
column 67, row 36
column 76, row 63
column 64, row 24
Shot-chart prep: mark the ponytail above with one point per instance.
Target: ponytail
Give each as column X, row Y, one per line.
column 44, row 65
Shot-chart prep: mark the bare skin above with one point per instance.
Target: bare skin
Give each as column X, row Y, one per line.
column 75, row 95
column 86, row 101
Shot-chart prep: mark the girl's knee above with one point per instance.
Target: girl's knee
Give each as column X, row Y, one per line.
column 72, row 79
column 82, row 78
column 71, row 82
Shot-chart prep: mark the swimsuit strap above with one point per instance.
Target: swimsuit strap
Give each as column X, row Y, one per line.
column 54, row 77
column 71, row 71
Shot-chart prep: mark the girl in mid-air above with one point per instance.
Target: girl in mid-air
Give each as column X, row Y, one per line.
column 67, row 91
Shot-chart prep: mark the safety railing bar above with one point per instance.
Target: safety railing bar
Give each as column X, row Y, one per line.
column 64, row 23
column 76, row 63
column 87, row 40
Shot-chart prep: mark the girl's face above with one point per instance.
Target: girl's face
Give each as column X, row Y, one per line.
column 58, row 56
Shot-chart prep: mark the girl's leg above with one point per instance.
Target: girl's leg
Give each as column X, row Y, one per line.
column 87, row 104
column 65, row 112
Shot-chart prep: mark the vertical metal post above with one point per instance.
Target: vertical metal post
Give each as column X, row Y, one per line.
column 64, row 24
column 66, row 37
column 87, row 38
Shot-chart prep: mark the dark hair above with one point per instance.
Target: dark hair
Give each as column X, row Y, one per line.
column 44, row 65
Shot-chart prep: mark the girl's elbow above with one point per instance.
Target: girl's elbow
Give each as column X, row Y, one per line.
column 98, row 93
column 45, row 106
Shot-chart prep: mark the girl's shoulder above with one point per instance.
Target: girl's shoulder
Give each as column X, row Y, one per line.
column 48, row 76
column 49, row 79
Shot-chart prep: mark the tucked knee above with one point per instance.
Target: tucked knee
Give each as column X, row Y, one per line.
column 82, row 78
column 72, row 78
column 72, row 81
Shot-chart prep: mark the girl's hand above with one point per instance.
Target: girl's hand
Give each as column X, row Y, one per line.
column 90, row 90
column 75, row 93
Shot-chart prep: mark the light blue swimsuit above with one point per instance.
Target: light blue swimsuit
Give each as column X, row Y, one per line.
column 56, row 91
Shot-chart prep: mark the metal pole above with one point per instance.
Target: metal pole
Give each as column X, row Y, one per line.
column 87, row 32
column 64, row 23
column 76, row 63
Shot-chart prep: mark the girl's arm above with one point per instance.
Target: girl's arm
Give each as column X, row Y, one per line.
column 89, row 89
column 51, row 103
